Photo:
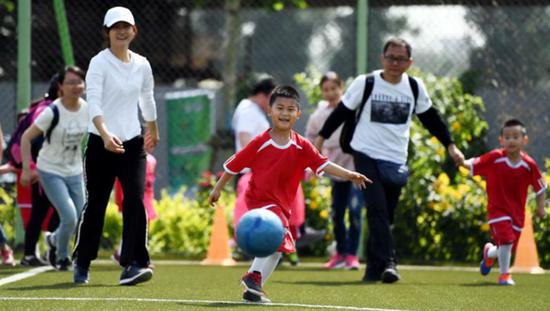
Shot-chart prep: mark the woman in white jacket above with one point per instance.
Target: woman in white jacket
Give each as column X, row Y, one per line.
column 118, row 81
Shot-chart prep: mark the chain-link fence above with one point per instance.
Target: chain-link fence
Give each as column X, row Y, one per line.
column 499, row 49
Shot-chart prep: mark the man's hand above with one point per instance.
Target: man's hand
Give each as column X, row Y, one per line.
column 456, row 154
column 318, row 143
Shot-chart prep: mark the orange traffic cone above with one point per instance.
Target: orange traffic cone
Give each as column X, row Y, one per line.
column 218, row 250
column 527, row 259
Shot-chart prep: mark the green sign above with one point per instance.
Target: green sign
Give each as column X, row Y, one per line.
column 190, row 126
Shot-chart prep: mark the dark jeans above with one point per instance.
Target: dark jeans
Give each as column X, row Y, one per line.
column 381, row 199
column 39, row 211
column 102, row 167
column 346, row 196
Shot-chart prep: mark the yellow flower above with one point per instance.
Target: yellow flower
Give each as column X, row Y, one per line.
column 485, row 227
column 433, row 140
column 313, row 205
column 440, row 151
column 324, row 214
column 455, row 126
column 441, row 182
column 463, row 171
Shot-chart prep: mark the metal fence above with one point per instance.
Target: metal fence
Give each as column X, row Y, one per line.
column 498, row 48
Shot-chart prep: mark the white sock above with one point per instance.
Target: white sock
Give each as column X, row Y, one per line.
column 492, row 252
column 265, row 265
column 504, row 256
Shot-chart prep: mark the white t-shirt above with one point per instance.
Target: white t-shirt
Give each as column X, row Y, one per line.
column 63, row 155
column 114, row 89
column 384, row 125
column 248, row 118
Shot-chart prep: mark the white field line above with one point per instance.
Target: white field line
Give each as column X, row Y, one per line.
column 192, row 301
column 24, row 275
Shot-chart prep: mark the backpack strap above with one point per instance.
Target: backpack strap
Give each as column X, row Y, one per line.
column 414, row 89
column 55, row 120
column 369, row 85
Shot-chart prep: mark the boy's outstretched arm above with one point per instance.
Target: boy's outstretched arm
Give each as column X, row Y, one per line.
column 215, row 193
column 359, row 179
column 540, row 199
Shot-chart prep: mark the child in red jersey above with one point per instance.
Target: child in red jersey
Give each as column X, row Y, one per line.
column 277, row 159
column 508, row 171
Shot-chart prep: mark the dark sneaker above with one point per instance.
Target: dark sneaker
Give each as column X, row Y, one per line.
column 50, row 243
column 64, row 264
column 80, row 275
column 249, row 296
column 390, row 274
column 252, row 282
column 134, row 274
column 32, row 261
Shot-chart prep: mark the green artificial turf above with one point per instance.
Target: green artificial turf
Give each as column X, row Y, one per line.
column 195, row 287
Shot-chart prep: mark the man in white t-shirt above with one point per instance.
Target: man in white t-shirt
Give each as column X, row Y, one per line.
column 380, row 143
column 249, row 121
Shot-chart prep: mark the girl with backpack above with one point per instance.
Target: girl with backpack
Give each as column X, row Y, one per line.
column 59, row 162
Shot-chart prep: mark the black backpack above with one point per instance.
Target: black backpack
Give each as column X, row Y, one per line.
column 351, row 122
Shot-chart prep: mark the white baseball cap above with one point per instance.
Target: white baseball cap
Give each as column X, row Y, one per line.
column 118, row 14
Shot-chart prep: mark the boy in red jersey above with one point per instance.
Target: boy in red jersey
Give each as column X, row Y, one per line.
column 277, row 159
column 508, row 171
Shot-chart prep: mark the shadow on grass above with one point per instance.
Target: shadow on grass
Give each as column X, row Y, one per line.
column 220, row 305
column 59, row 286
column 327, row 283
column 480, row 284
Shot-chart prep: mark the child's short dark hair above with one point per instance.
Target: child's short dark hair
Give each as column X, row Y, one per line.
column 284, row 91
column 331, row 76
column 511, row 123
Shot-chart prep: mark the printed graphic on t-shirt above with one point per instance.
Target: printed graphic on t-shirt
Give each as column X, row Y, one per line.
column 72, row 136
column 390, row 109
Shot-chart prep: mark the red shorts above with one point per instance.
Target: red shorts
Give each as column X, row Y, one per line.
column 503, row 233
column 288, row 245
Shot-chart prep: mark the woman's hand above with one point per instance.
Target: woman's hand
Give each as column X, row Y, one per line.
column 113, row 143
column 151, row 136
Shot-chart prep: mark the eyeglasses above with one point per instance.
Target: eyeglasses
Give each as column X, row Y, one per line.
column 73, row 82
column 398, row 60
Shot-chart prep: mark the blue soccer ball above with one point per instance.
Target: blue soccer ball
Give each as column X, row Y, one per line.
column 260, row 233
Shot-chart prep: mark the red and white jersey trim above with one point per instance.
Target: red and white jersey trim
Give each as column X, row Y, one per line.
column 271, row 142
column 513, row 165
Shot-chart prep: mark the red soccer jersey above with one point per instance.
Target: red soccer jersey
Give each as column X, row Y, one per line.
column 276, row 170
column 507, row 185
